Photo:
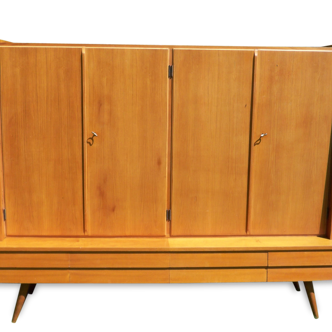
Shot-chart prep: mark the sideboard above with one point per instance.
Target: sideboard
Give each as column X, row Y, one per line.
column 164, row 164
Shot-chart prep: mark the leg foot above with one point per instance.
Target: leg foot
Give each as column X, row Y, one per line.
column 22, row 294
column 309, row 287
column 297, row 286
column 11, row 321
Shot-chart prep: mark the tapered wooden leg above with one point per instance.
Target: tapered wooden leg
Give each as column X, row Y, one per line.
column 309, row 287
column 296, row 285
column 25, row 289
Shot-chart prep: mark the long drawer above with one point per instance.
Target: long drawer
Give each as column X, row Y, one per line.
column 300, row 258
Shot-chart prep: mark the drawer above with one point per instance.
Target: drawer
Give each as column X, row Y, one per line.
column 217, row 275
column 84, row 260
column 180, row 260
column 299, row 274
column 119, row 260
column 300, row 258
column 34, row 260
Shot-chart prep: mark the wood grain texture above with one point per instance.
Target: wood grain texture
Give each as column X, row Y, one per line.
column 300, row 258
column 305, row 274
column 120, row 276
column 119, row 260
column 34, row 260
column 218, row 259
column 42, row 140
column 15, row 276
column 84, row 244
column 217, row 275
column 288, row 172
column 249, row 243
column 84, row 260
column 204, row 244
column 84, row 276
column 126, row 96
column 211, row 124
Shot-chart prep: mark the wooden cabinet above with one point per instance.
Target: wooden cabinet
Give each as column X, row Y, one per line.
column 171, row 164
column 222, row 101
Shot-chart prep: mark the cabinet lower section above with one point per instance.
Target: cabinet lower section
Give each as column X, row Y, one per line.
column 181, row 264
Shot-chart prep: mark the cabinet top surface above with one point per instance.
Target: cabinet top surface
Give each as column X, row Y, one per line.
column 4, row 43
column 230, row 244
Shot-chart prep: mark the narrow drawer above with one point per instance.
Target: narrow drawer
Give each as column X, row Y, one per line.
column 217, row 275
column 119, row 260
column 218, row 260
column 300, row 258
column 299, row 274
column 34, row 260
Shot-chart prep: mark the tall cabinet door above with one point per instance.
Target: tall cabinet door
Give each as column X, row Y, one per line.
column 289, row 166
column 41, row 114
column 126, row 106
column 211, row 125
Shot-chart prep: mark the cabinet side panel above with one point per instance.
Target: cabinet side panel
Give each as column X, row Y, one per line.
column 328, row 195
column 2, row 194
column 211, row 123
column 42, row 140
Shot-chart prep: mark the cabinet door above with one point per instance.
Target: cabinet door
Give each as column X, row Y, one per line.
column 126, row 98
column 211, row 124
column 288, row 173
column 42, row 140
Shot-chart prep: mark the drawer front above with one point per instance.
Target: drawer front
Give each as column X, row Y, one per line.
column 17, row 276
column 84, row 260
column 218, row 259
column 37, row 276
column 299, row 274
column 119, row 260
column 300, row 258
column 217, row 275
column 34, row 260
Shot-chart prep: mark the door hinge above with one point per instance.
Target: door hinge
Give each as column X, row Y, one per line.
column 4, row 214
column 168, row 215
column 170, row 71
